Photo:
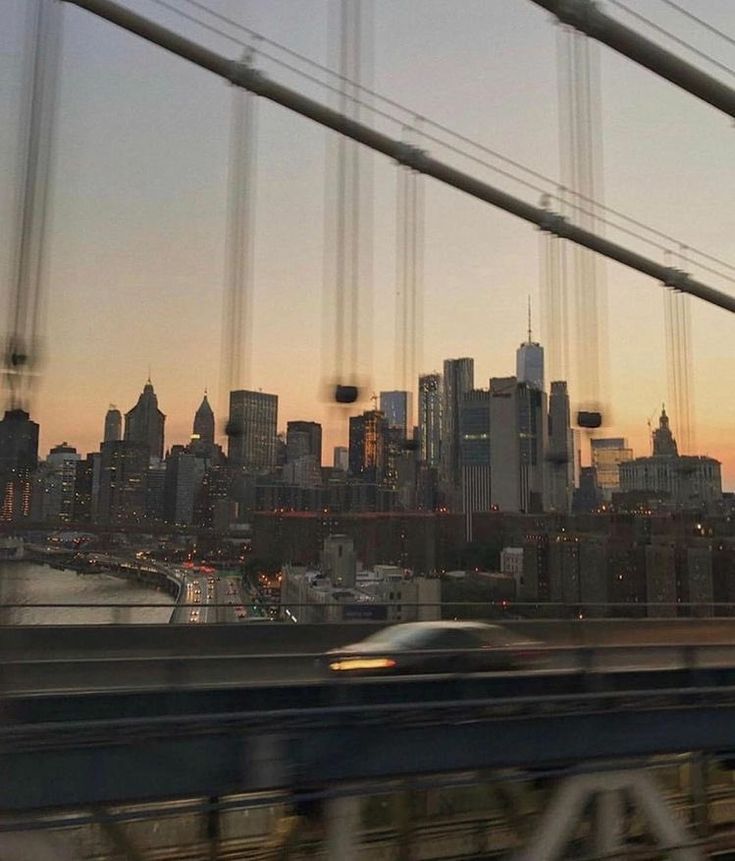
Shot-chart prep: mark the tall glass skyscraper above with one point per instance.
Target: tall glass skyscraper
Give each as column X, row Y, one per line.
column 560, row 457
column 474, row 454
column 252, row 430
column 459, row 377
column 530, row 360
column 430, row 418
column 368, row 446
column 530, row 364
column 396, row 407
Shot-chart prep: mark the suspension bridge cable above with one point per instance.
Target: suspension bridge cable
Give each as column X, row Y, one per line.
column 700, row 21
column 444, row 129
column 584, row 16
column 262, row 39
column 669, row 35
column 244, row 76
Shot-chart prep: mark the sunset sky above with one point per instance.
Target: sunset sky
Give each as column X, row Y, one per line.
column 139, row 204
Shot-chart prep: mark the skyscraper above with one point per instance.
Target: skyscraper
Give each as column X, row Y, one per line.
column 341, row 458
column 61, row 465
column 367, row 446
column 184, row 475
column 607, row 455
column 303, row 439
column 530, row 360
column 474, row 454
column 83, row 488
column 18, row 460
column 533, row 440
column 252, row 430
column 560, row 458
column 430, row 418
column 203, row 427
column 519, row 445
column 144, row 422
column 458, row 378
column 396, row 407
column 113, row 425
column 123, row 469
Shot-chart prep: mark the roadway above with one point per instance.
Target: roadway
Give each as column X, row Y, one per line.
column 210, row 599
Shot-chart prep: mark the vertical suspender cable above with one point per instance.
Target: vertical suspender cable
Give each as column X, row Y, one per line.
column 409, row 277
column 239, row 248
column 38, row 109
column 348, row 216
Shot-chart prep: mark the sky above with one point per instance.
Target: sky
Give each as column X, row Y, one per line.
column 136, row 248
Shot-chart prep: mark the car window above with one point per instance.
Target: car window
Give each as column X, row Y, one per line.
column 497, row 636
column 455, row 638
column 403, row 636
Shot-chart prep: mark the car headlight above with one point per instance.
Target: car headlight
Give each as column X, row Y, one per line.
column 362, row 664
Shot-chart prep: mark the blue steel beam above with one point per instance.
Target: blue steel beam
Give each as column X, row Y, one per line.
column 172, row 746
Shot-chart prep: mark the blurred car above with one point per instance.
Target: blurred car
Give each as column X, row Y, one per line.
column 434, row 647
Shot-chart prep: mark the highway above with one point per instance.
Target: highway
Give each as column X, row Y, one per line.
column 209, row 598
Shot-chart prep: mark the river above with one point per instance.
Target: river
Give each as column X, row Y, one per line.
column 28, row 584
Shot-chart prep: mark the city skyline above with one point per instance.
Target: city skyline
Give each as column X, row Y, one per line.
column 141, row 178
column 283, row 426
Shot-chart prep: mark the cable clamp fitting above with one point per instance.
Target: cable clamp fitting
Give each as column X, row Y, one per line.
column 581, row 14
column 411, row 156
column 552, row 222
column 676, row 279
column 242, row 74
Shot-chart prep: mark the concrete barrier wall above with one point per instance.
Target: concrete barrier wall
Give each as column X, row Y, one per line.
column 279, row 638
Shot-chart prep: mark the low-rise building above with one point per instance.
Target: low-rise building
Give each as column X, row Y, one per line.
column 341, row 590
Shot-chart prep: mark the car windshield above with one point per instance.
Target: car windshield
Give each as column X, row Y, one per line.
column 402, row 636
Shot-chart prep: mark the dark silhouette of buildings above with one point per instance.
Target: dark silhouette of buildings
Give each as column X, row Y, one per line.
column 144, row 423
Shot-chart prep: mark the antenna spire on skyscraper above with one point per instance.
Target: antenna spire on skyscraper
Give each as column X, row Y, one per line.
column 529, row 318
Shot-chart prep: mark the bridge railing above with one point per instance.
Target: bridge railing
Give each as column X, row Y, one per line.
column 377, row 611
column 19, row 673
